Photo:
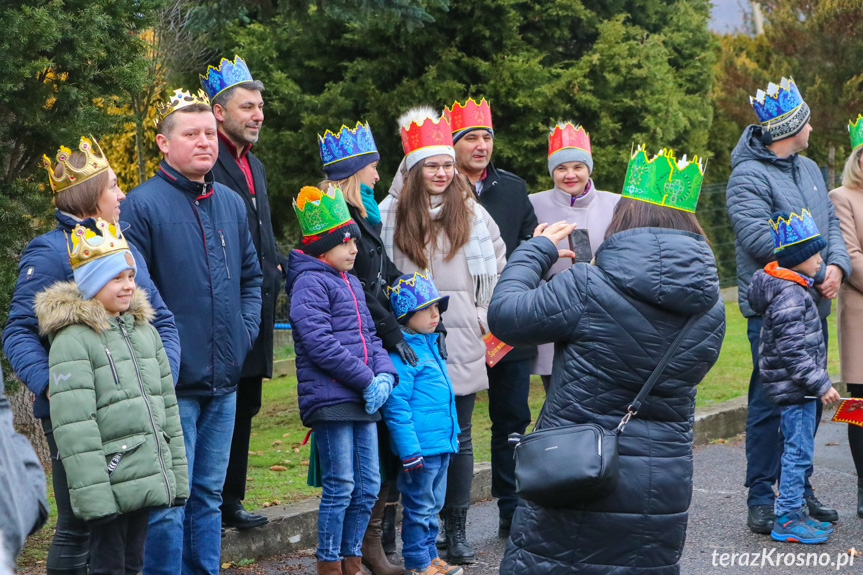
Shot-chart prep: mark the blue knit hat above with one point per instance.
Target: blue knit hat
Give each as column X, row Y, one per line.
column 795, row 238
column 97, row 256
column 92, row 276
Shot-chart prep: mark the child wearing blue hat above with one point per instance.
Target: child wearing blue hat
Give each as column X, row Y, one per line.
column 420, row 414
column 793, row 363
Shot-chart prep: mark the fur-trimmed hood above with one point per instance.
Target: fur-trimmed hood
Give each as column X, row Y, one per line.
column 62, row 305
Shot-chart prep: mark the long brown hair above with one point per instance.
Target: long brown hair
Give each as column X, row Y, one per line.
column 631, row 213
column 415, row 228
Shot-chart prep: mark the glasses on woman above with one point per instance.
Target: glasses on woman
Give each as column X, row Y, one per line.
column 432, row 168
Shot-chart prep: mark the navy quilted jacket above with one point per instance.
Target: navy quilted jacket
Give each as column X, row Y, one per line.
column 792, row 356
column 762, row 183
column 338, row 352
column 611, row 324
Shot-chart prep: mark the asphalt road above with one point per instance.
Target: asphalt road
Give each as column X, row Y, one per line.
column 717, row 522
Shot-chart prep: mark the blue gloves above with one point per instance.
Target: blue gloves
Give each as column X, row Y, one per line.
column 412, row 463
column 377, row 392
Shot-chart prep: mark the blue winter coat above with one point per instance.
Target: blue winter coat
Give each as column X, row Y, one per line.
column 420, row 413
column 611, row 323
column 44, row 262
column 195, row 238
column 338, row 353
column 792, row 356
column 762, row 183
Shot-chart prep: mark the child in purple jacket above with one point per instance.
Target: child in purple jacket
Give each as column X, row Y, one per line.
column 344, row 375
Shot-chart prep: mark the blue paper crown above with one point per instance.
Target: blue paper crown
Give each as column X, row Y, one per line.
column 347, row 143
column 791, row 231
column 413, row 292
column 226, row 75
column 781, row 109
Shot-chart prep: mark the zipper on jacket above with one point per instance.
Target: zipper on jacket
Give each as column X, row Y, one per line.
column 113, row 367
column 359, row 318
column 147, row 403
column 225, row 253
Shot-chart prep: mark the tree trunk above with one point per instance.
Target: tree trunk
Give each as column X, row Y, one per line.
column 139, row 148
column 27, row 425
column 831, row 168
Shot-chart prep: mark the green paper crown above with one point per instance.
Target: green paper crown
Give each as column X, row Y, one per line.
column 664, row 180
column 855, row 128
column 320, row 211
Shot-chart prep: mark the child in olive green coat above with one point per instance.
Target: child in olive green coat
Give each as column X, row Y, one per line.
column 115, row 415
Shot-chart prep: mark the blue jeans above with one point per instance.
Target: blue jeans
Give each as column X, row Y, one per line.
column 351, row 480
column 189, row 539
column 763, row 434
column 798, row 428
column 423, row 492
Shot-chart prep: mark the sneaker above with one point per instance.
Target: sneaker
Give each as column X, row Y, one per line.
column 430, row 570
column 819, row 511
column 445, row 568
column 761, row 519
column 792, row 527
column 822, row 525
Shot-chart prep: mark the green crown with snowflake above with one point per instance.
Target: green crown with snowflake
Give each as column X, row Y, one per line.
column 855, row 129
column 664, row 180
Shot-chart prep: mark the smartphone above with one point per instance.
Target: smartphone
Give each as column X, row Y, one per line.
column 579, row 243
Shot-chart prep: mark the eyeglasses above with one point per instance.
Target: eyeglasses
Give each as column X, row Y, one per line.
column 433, row 168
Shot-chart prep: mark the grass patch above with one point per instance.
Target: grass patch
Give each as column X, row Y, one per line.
column 284, row 352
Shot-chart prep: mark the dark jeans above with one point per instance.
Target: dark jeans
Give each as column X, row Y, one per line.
column 764, row 441
column 117, row 546
column 855, row 435
column 508, row 388
column 70, row 547
column 248, row 405
column 460, row 473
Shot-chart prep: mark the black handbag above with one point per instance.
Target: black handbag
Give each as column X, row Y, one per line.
column 570, row 465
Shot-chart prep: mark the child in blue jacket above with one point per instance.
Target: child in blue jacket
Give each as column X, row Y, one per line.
column 421, row 417
column 343, row 374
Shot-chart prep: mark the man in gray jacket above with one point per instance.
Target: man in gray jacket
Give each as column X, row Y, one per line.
column 769, row 175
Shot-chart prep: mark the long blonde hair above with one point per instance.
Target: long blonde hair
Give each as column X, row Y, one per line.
column 350, row 187
column 852, row 174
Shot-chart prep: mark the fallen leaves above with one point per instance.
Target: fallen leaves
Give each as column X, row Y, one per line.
column 278, row 468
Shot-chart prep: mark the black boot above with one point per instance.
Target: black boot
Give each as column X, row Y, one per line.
column 388, row 529
column 821, row 512
column 440, row 540
column 458, row 551
column 859, row 501
column 235, row 515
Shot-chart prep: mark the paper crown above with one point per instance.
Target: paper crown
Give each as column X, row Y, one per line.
column 180, row 99
column 320, row 211
column 347, row 143
column 413, row 292
column 664, row 180
column 471, row 115
column 87, row 245
column 423, row 128
column 96, row 163
column 855, row 129
column 791, row 231
column 225, row 75
column 567, row 135
column 781, row 108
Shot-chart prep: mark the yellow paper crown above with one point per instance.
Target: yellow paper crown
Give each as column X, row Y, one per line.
column 87, row 245
column 96, row 164
column 180, row 99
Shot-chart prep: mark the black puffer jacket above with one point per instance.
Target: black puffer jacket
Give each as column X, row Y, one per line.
column 792, row 357
column 612, row 322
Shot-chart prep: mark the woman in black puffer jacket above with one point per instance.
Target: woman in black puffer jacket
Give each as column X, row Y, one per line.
column 612, row 323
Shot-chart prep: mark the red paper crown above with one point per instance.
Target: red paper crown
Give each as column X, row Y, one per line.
column 431, row 133
column 568, row 136
column 471, row 115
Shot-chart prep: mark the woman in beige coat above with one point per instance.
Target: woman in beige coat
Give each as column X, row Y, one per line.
column 848, row 201
column 430, row 220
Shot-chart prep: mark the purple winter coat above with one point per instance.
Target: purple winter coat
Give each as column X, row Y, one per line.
column 337, row 350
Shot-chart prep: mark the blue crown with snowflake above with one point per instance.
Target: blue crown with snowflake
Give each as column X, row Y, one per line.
column 413, row 292
column 346, row 143
column 226, row 75
column 781, row 109
column 792, row 229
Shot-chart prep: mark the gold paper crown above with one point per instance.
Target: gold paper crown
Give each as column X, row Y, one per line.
column 180, row 99
column 87, row 245
column 95, row 164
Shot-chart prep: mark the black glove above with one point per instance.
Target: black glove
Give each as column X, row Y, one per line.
column 441, row 345
column 102, row 520
column 179, row 502
column 407, row 353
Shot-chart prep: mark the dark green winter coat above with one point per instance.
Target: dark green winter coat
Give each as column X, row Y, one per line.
column 115, row 415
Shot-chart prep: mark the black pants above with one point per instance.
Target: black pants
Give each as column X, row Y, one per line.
column 508, row 409
column 249, row 392
column 460, row 474
column 71, row 544
column 855, row 435
column 117, row 546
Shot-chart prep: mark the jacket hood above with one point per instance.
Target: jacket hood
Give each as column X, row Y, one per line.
column 671, row 269
column 301, row 262
column 749, row 147
column 764, row 288
column 62, row 305
column 399, row 180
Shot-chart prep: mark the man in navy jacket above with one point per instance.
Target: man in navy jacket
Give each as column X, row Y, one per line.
column 195, row 237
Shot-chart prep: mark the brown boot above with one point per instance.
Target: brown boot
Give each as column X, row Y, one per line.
column 373, row 552
column 353, row 566
column 329, row 568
